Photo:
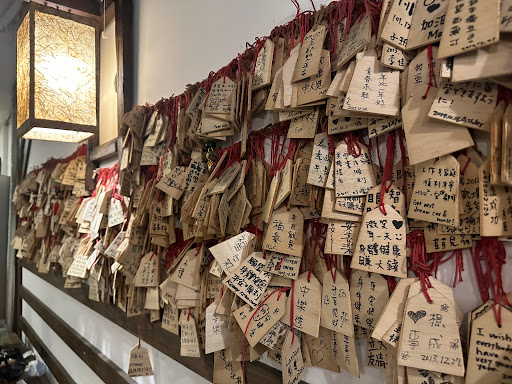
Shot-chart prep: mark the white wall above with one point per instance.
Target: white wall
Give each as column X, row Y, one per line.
column 177, row 43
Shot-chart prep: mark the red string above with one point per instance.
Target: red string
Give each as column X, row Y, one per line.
column 465, row 166
column 138, row 319
column 387, row 175
column 188, row 315
column 353, row 146
column 431, row 72
column 419, row 266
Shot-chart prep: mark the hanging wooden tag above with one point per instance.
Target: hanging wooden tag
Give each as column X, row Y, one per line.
column 263, row 319
column 147, row 274
column 495, row 150
column 373, row 89
column 336, row 306
column 320, row 160
column 468, row 185
column 398, row 23
column 436, row 242
column 225, row 179
column 306, row 305
column 436, row 191
column 381, row 244
column 249, row 280
column 469, row 26
column 329, row 211
column 288, row 70
column 378, row 354
column 304, row 127
column 224, row 371
column 283, row 265
column 469, row 104
column 139, row 364
column 231, row 252
column 341, row 237
column 301, row 190
column 274, row 336
column 263, row 65
column 377, row 127
column 285, row 186
column 345, row 353
column 291, row 360
column 189, row 344
column 350, row 204
column 421, row 376
column 218, row 336
column 314, row 88
column 394, row 198
column 357, row 39
column 171, row 183
column 310, row 53
column 369, row 295
column 495, row 201
column 277, row 84
column 389, row 324
column 170, row 319
column 279, row 56
column 220, row 99
column 395, row 58
column 489, row 351
column 430, row 335
column 187, row 272
column 427, row 23
column 321, row 350
column 353, row 175
column 285, row 231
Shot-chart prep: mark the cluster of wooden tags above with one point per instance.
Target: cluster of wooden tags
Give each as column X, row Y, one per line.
column 242, row 258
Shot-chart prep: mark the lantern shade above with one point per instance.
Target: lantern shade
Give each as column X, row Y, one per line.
column 56, row 81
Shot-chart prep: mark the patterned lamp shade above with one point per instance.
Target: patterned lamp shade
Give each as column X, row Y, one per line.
column 56, row 80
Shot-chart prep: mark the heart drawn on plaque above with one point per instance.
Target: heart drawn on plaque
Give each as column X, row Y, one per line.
column 415, row 316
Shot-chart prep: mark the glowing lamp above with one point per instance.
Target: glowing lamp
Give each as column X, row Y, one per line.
column 56, row 79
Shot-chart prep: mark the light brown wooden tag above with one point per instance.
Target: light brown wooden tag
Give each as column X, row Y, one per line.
column 398, row 23
column 231, row 252
column 436, row 242
column 320, row 160
column 394, row 197
column 187, row 272
column 249, row 280
column 369, row 295
column 350, row 204
column 271, row 197
column 420, row 376
column 429, row 138
column 336, row 306
column 274, row 336
column 310, row 53
column 469, row 26
column 171, row 183
column 225, row 179
column 378, row 354
column 291, row 359
column 373, row 89
column 427, row 23
column 353, row 175
column 307, row 305
column 469, row 104
column 147, row 274
column 139, row 364
column 315, row 88
column 477, row 64
column 468, row 185
column 300, row 194
column 436, row 191
column 341, row 237
column 225, row 371
column 381, row 243
column 277, row 85
column 345, row 353
column 220, row 98
column 321, row 350
column 357, row 39
column 218, row 336
column 506, row 147
column 189, row 341
column 304, row 127
column 195, row 103
column 495, row 201
column 284, row 233
column 395, row 58
column 170, row 319
column 489, row 351
column 430, row 335
column 288, row 69
column 263, row 319
column 495, row 152
column 263, row 66
column 377, row 127
column 285, row 186
column 283, row 265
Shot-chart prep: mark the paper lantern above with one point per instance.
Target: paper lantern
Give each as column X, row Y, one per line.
column 56, row 80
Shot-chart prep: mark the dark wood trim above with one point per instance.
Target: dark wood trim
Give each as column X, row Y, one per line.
column 104, row 151
column 110, row 14
column 17, row 296
column 153, row 334
column 124, row 53
column 55, row 367
column 87, row 8
column 90, row 355
column 31, row 123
